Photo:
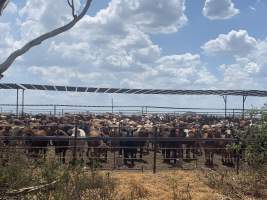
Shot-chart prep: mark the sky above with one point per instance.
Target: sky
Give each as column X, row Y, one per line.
column 158, row 44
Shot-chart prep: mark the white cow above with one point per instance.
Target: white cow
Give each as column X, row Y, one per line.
column 81, row 145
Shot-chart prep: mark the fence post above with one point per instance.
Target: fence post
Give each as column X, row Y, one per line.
column 155, row 152
column 195, row 154
column 75, row 143
column 114, row 159
column 55, row 110
column 233, row 113
column 237, row 152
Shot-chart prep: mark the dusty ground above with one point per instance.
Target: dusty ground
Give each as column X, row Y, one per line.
column 175, row 185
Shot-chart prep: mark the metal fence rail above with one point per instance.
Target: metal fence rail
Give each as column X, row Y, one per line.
column 154, row 153
column 133, row 139
column 62, row 109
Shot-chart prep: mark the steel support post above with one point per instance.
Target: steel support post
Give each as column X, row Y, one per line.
column 22, row 102
column 17, row 104
column 243, row 106
column 112, row 105
column 225, row 105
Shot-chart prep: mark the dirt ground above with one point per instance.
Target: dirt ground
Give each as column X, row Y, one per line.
column 175, row 185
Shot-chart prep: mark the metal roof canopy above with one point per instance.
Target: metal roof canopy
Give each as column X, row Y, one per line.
column 223, row 93
column 14, row 86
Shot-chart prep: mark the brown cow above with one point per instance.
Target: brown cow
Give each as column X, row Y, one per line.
column 36, row 147
column 208, row 145
column 96, row 148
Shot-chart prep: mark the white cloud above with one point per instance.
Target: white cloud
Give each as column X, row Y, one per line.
column 104, row 41
column 7, row 41
column 61, row 76
column 185, row 70
column 11, row 9
column 40, row 16
column 237, row 43
column 243, row 74
column 248, row 71
column 114, row 48
column 150, row 16
column 259, row 55
column 219, row 9
column 252, row 8
column 105, row 44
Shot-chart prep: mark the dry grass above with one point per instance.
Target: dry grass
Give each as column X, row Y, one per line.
column 178, row 185
column 247, row 185
column 82, row 184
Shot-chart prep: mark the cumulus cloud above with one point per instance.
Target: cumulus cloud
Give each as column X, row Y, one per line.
column 61, row 76
column 114, row 48
column 104, row 45
column 219, row 9
column 185, row 70
column 259, row 55
column 149, row 16
column 104, row 40
column 7, row 41
column 234, row 43
column 242, row 74
column 248, row 70
column 11, row 9
column 104, row 50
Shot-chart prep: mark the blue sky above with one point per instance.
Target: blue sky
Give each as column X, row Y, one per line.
column 171, row 44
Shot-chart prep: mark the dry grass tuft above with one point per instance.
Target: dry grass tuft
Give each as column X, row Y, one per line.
column 178, row 185
column 245, row 185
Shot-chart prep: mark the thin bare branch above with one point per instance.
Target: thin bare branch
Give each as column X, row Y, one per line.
column 30, row 189
column 3, row 5
column 37, row 41
column 72, row 6
column 69, row 3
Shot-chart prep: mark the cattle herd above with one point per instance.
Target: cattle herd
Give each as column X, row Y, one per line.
column 106, row 127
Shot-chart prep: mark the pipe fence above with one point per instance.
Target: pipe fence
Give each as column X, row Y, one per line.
column 61, row 110
column 128, row 153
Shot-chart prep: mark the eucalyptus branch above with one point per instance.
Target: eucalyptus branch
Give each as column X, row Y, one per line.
column 37, row 41
column 3, row 5
column 71, row 4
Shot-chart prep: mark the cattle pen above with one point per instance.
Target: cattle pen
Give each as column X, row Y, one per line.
column 156, row 154
column 153, row 150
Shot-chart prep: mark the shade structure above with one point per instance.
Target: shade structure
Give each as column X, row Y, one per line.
column 15, row 86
